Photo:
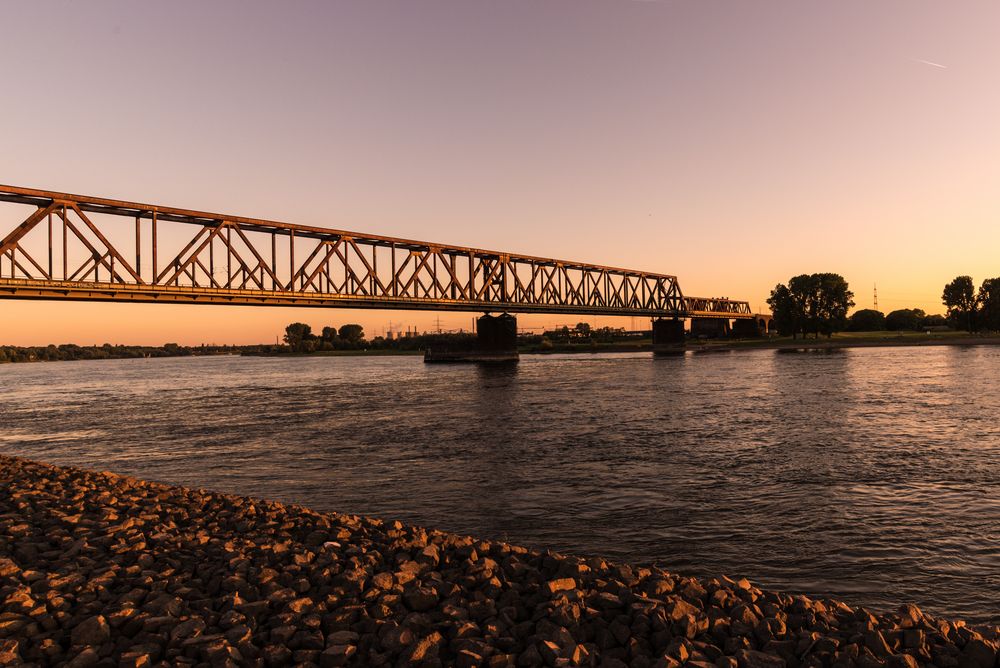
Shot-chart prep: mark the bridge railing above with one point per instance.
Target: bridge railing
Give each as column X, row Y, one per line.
column 74, row 246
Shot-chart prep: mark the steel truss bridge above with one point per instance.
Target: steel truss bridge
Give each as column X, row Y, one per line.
column 73, row 247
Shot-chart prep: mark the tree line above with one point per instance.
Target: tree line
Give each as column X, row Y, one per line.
column 68, row 352
column 972, row 310
column 818, row 304
column 301, row 339
column 904, row 319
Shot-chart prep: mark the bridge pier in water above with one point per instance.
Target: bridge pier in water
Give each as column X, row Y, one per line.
column 747, row 329
column 712, row 328
column 496, row 342
column 668, row 335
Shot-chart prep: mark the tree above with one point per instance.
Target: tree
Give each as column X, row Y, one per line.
column 935, row 320
column 353, row 334
column 960, row 299
column 832, row 301
column 867, row 320
column 296, row 334
column 583, row 329
column 788, row 312
column 811, row 303
column 905, row 319
column 989, row 304
column 328, row 334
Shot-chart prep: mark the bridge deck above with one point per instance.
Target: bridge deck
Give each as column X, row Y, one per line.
column 74, row 247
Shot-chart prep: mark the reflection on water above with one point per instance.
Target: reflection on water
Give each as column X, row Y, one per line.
column 868, row 473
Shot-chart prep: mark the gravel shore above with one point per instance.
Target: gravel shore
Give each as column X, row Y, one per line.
column 102, row 570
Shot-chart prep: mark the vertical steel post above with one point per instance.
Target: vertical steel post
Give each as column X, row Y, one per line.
column 138, row 246
column 50, row 246
column 291, row 260
column 154, row 248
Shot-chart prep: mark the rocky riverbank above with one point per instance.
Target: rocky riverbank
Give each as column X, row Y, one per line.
column 103, row 570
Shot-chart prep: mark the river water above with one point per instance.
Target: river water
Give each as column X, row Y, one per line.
column 868, row 474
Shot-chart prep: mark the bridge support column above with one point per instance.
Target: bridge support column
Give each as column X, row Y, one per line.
column 668, row 335
column 710, row 328
column 496, row 342
column 746, row 329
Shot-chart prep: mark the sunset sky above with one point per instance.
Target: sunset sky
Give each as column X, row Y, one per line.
column 733, row 144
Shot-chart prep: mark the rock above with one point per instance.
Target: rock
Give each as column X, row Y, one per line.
column 396, row 639
column 877, row 644
column 977, row 653
column 425, row 648
column 191, row 628
column 910, row 615
column 677, row 609
column 530, row 657
column 467, row 659
column 337, row 655
column 382, row 581
column 91, row 632
column 748, row 658
column 420, row 599
column 10, row 652
column 84, row 659
column 8, row 568
column 560, row 585
column 342, row 638
column 902, row 661
column 102, row 570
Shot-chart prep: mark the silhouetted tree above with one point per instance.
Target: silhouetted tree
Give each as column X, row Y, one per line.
column 353, row 334
column 905, row 319
column 989, row 304
column 832, row 301
column 788, row 312
column 867, row 320
column 811, row 303
column 328, row 334
column 934, row 320
column 296, row 334
column 583, row 329
column 960, row 298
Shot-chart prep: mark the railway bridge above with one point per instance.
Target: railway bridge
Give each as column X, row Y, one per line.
column 67, row 247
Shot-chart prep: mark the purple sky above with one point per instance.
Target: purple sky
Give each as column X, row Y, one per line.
column 732, row 144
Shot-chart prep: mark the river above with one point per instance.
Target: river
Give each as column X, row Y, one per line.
column 868, row 474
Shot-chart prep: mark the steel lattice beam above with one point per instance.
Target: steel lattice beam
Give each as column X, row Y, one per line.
column 64, row 249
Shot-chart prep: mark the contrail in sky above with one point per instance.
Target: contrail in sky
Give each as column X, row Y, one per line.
column 931, row 63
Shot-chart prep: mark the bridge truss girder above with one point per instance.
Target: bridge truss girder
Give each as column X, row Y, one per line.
column 67, row 248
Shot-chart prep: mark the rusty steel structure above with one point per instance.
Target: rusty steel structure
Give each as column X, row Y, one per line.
column 73, row 247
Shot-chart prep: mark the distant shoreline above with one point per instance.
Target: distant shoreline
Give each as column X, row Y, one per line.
column 839, row 342
column 835, row 344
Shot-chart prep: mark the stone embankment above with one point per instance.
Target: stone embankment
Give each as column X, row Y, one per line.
column 103, row 570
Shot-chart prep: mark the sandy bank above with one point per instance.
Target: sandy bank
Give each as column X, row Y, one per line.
column 103, row 570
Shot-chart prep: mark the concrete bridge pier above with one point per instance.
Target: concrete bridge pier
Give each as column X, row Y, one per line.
column 746, row 329
column 496, row 342
column 668, row 335
column 710, row 328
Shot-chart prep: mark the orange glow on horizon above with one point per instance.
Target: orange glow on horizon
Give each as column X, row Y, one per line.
column 732, row 147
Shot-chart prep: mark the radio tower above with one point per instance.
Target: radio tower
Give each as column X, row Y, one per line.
column 876, row 296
